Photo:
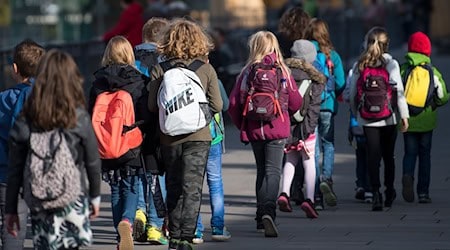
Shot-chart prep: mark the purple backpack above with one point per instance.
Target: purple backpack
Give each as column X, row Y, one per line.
column 265, row 99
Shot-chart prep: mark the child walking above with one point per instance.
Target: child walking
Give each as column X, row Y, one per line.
column 330, row 63
column 267, row 137
column 118, row 73
column 56, row 106
column 418, row 137
column 26, row 58
column 381, row 133
column 303, row 137
column 184, row 44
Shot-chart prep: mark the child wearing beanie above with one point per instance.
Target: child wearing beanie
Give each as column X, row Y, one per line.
column 301, row 143
column 418, row 138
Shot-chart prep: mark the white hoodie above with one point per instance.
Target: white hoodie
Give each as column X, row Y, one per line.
column 394, row 77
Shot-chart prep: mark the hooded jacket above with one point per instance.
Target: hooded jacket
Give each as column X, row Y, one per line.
column 426, row 120
column 258, row 130
column 302, row 70
column 393, row 69
column 129, row 25
column 123, row 77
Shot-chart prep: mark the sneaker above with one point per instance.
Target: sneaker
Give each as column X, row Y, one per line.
column 198, row 237
column 359, row 195
column 155, row 236
column 185, row 245
column 126, row 238
column 284, row 203
column 326, row 187
column 377, row 204
column 259, row 226
column 308, row 207
column 218, row 234
column 408, row 188
column 390, row 196
column 139, row 226
column 368, row 197
column 173, row 244
column 424, row 198
column 270, row 229
column 318, row 203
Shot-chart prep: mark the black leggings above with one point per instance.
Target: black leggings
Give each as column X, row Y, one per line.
column 381, row 144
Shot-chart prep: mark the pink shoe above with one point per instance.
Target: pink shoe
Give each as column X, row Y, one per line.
column 308, row 207
column 284, row 203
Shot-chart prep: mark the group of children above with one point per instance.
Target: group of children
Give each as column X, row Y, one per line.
column 383, row 98
column 283, row 107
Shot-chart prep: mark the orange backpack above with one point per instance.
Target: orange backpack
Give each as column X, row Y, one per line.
column 117, row 132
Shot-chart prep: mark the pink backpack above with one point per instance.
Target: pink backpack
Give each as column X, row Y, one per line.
column 374, row 94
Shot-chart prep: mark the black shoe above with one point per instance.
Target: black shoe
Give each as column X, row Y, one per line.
column 390, row 197
column 259, row 225
column 424, row 198
column 377, row 204
column 359, row 195
column 318, row 203
column 408, row 188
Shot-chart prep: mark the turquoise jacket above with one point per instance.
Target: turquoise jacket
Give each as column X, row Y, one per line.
column 427, row 120
column 331, row 104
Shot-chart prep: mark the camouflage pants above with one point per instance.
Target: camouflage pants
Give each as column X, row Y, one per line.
column 185, row 168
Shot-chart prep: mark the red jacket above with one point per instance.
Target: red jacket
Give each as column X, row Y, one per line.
column 255, row 130
column 129, row 25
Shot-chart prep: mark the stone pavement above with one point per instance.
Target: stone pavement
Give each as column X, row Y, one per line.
column 349, row 225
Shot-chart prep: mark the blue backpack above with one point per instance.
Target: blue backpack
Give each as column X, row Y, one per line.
column 326, row 66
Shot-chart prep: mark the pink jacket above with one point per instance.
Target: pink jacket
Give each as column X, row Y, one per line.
column 257, row 130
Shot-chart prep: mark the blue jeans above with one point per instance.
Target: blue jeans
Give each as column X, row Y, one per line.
column 362, row 172
column 152, row 217
column 418, row 144
column 325, row 143
column 215, row 185
column 124, row 198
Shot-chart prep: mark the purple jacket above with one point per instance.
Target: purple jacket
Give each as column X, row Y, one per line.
column 257, row 130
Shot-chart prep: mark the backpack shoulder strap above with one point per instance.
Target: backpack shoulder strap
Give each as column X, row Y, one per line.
column 166, row 65
column 195, row 65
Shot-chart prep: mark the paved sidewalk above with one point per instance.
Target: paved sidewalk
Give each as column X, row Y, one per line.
column 350, row 225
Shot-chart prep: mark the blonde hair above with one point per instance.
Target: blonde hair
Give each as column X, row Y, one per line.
column 318, row 30
column 118, row 51
column 151, row 29
column 184, row 39
column 261, row 44
column 376, row 43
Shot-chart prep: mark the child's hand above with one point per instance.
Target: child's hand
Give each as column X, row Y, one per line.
column 405, row 125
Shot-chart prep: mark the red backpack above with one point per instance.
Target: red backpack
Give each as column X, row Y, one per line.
column 374, row 94
column 113, row 119
column 264, row 98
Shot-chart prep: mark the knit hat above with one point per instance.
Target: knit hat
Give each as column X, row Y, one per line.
column 304, row 49
column 419, row 43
